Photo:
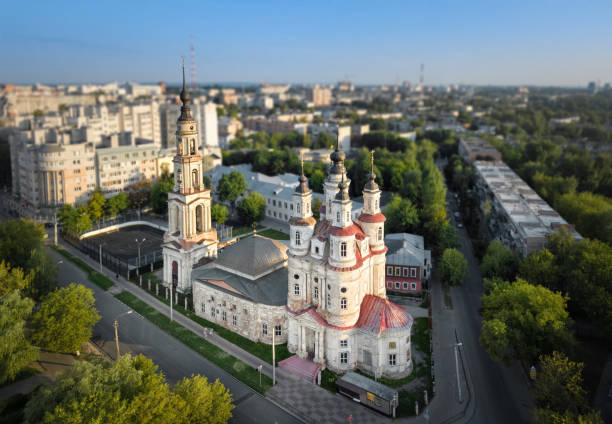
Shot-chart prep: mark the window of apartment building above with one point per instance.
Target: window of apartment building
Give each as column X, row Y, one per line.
column 274, row 214
column 285, row 205
column 278, row 331
column 343, row 303
column 234, row 320
column 224, row 316
column 344, row 343
column 392, row 359
column 413, row 286
column 264, row 329
column 316, row 292
column 286, row 217
column 203, row 308
column 273, row 202
column 413, row 272
column 296, row 289
column 343, row 249
column 398, row 271
column 344, row 357
column 397, row 285
column 405, row 272
column 389, row 270
column 291, row 206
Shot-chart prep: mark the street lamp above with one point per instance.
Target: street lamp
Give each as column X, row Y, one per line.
column 116, row 325
column 101, row 244
column 456, row 347
column 139, row 243
column 59, row 262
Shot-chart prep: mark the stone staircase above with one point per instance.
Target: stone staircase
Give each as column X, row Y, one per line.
column 303, row 368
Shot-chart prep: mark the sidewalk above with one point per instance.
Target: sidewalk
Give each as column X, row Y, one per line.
column 305, row 400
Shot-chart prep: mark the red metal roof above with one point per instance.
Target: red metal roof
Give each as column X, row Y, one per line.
column 351, row 230
column 379, row 217
column 378, row 314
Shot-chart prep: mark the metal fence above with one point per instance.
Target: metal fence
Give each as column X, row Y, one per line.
column 125, row 267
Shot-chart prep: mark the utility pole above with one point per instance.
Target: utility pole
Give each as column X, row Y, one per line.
column 116, row 325
column 55, row 227
column 456, row 347
column 273, row 358
column 171, row 300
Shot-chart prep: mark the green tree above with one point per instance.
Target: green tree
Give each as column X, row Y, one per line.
column 204, row 402
column 21, row 246
column 159, row 192
column 316, row 208
column 83, row 221
column 65, row 319
column 546, row 416
column 453, row 267
column 129, row 390
column 68, row 217
column 13, row 279
column 117, row 204
column 522, row 321
column 402, row 216
column 558, row 386
column 96, row 204
column 540, row 268
column 252, row 208
column 316, row 180
column 499, row 262
column 139, row 194
column 219, row 213
column 15, row 350
column 324, row 140
column 38, row 113
column 231, row 186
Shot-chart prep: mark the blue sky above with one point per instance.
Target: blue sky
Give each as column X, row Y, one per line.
column 485, row 42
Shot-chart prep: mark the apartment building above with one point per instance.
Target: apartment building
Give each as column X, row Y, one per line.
column 52, row 167
column 319, row 96
column 476, row 148
column 517, row 216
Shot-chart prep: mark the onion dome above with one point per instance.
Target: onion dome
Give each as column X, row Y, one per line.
column 343, row 194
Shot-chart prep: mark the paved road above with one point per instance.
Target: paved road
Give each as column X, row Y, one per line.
column 500, row 392
column 175, row 360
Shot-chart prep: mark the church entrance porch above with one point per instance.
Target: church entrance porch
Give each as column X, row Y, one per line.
column 310, row 343
column 303, row 368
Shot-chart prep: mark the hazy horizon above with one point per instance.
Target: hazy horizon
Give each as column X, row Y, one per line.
column 553, row 44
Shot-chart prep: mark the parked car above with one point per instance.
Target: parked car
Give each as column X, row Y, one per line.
column 459, row 225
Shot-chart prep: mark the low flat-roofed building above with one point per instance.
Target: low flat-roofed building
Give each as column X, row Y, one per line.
column 518, row 217
column 476, row 148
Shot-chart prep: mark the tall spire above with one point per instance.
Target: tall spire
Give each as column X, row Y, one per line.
column 302, row 187
column 185, row 110
column 371, row 184
column 343, row 190
column 337, row 158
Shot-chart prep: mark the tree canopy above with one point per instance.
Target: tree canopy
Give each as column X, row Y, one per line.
column 65, row 318
column 522, row 321
column 499, row 262
column 231, row 186
column 252, row 208
column 129, row 390
column 13, row 279
column 16, row 352
column 453, row 267
column 159, row 192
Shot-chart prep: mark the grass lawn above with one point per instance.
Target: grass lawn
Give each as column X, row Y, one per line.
column 261, row 350
column 100, row 280
column 224, row 360
column 242, row 230
column 274, row 234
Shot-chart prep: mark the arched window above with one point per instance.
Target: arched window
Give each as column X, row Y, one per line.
column 380, row 233
column 298, row 207
column 296, row 289
column 177, row 222
column 338, row 216
column 343, row 303
column 328, row 300
column 198, row 218
column 195, row 182
column 348, row 217
column 174, row 273
column 343, row 249
column 298, row 240
column 193, row 149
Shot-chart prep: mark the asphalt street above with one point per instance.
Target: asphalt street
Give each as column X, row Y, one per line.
column 500, row 392
column 175, row 360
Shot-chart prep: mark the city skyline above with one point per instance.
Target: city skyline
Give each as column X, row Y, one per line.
column 524, row 44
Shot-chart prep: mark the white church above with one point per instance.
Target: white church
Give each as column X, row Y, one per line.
column 324, row 295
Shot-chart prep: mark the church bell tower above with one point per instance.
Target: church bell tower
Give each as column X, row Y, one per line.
column 190, row 235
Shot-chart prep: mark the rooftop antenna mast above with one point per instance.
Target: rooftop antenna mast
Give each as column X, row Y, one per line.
column 192, row 69
column 422, row 76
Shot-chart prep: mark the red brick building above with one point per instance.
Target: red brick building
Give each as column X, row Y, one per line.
column 408, row 263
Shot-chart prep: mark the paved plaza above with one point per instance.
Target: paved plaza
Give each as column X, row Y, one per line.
column 122, row 242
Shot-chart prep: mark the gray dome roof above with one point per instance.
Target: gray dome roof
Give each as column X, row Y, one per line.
column 253, row 256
